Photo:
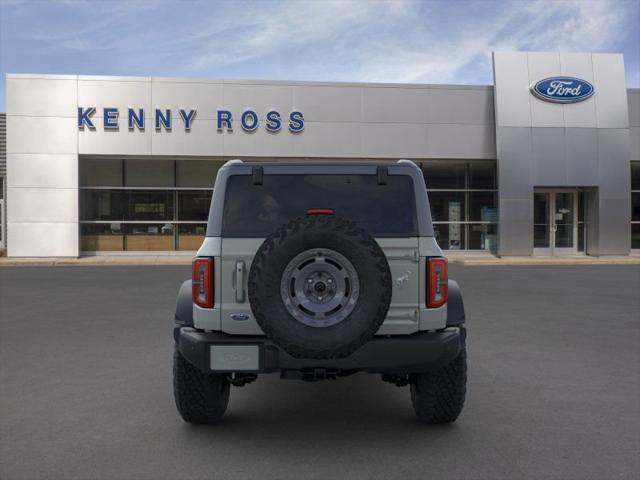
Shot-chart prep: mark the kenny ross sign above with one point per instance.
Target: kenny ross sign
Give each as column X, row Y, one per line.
column 562, row 89
column 162, row 119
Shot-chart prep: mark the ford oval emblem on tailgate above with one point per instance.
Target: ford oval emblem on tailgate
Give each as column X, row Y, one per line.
column 239, row 317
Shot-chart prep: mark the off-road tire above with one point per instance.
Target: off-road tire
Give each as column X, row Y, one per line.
column 438, row 397
column 328, row 232
column 200, row 397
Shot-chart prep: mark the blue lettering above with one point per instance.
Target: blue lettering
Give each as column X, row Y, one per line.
column 296, row 122
column 136, row 120
column 84, row 117
column 225, row 119
column 163, row 120
column 187, row 118
column 110, row 117
column 274, row 124
column 249, row 120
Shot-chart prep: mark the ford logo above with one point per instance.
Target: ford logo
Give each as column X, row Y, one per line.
column 562, row 89
column 239, row 317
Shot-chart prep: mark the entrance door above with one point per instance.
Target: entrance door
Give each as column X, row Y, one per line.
column 555, row 228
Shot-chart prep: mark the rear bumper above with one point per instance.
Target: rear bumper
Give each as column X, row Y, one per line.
column 399, row 354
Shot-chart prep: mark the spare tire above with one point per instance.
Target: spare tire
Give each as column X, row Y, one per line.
column 320, row 287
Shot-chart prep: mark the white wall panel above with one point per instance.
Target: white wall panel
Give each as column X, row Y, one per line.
column 43, row 97
column 260, row 143
column 579, row 114
column 634, row 140
column 42, row 239
column 42, row 170
column 322, row 103
column 260, row 98
column 42, row 204
column 121, row 141
column 461, row 106
column 41, row 135
column 633, row 96
column 512, row 97
column 115, row 93
column 461, row 141
column 203, row 139
column 612, row 109
column 544, row 114
column 206, row 98
column 327, row 140
column 395, row 105
column 394, row 140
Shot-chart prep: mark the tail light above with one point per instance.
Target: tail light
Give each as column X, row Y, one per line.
column 202, row 282
column 437, row 282
column 320, row 211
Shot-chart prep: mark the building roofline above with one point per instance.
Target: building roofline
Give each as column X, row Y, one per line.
column 145, row 79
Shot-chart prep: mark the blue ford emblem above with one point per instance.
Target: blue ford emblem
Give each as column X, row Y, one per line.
column 562, row 89
column 239, row 317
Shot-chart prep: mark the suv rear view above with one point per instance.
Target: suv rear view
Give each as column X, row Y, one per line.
column 319, row 270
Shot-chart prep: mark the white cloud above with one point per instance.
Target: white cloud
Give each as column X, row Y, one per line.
column 405, row 41
column 571, row 25
column 435, row 41
column 257, row 32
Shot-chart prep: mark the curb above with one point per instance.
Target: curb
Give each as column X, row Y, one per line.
column 169, row 260
column 533, row 261
column 98, row 261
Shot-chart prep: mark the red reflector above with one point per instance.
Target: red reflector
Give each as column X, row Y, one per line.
column 437, row 282
column 202, row 282
column 320, row 211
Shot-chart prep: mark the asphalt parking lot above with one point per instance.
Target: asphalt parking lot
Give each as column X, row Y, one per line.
column 554, row 387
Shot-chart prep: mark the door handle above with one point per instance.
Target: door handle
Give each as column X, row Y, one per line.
column 240, row 281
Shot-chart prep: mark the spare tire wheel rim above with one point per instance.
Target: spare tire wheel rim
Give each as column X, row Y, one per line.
column 320, row 287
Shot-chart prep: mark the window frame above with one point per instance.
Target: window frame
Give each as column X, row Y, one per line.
column 467, row 222
column 174, row 222
column 634, row 165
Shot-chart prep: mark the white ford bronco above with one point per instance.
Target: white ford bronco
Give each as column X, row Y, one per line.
column 319, row 270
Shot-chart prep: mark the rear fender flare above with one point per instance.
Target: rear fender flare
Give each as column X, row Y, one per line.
column 455, row 305
column 184, row 305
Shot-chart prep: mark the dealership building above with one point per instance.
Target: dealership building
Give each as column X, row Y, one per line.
column 546, row 161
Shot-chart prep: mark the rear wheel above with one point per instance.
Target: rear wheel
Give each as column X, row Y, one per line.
column 438, row 397
column 200, row 397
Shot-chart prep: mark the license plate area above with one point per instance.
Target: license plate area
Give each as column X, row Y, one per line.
column 234, row 358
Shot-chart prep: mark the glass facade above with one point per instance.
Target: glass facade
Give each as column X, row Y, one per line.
column 160, row 205
column 144, row 205
column 635, row 205
column 163, row 205
column 463, row 199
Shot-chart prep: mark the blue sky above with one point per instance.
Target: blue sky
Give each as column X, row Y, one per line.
column 439, row 41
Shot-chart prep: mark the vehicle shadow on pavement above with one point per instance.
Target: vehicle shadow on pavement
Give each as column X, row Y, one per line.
column 354, row 408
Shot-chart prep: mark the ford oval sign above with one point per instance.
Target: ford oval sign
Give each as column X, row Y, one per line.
column 562, row 89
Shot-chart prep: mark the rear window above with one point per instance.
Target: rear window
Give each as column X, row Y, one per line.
column 257, row 210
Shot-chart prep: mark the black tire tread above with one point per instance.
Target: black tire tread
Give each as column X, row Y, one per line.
column 337, row 226
column 438, row 397
column 199, row 397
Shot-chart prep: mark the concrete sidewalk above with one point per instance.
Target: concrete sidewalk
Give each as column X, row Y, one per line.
column 470, row 260
column 98, row 260
column 460, row 258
